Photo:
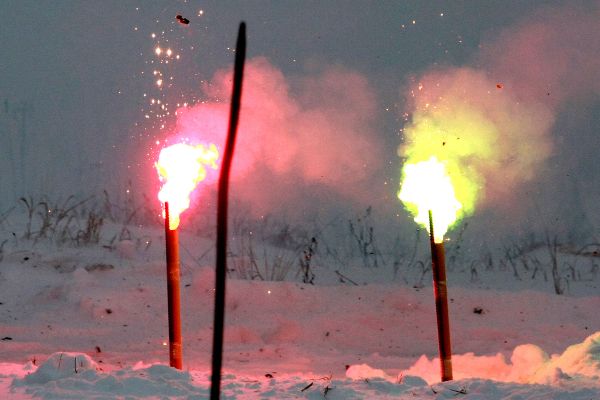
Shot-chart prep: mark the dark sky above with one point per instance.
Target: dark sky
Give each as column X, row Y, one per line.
column 73, row 74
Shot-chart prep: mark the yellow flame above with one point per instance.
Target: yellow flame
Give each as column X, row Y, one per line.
column 181, row 167
column 427, row 186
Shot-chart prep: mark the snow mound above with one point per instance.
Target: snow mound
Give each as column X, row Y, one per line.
column 578, row 361
column 62, row 365
column 58, row 378
column 529, row 364
column 151, row 382
column 364, row 371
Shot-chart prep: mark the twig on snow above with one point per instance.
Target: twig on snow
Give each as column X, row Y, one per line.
column 344, row 278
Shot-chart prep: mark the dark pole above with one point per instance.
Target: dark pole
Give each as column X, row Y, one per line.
column 220, row 275
column 440, row 292
column 174, row 302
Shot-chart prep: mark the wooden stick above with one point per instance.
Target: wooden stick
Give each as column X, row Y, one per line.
column 174, row 301
column 221, row 269
column 440, row 292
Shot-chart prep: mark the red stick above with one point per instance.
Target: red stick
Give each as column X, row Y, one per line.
column 174, row 307
column 440, row 292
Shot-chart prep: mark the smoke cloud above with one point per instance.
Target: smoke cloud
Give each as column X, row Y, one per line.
column 492, row 123
column 549, row 58
column 309, row 137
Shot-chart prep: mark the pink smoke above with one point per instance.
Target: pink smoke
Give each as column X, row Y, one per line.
column 289, row 142
column 550, row 57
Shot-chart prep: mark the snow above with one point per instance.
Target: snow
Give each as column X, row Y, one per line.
column 90, row 322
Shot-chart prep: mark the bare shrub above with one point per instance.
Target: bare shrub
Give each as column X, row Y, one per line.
column 362, row 230
column 90, row 234
column 30, row 210
column 424, row 269
column 309, row 251
column 2, row 249
column 275, row 264
column 406, row 259
column 552, row 247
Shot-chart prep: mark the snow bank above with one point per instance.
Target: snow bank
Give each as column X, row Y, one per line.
column 579, row 364
column 77, row 376
column 57, row 378
column 62, row 365
column 530, row 374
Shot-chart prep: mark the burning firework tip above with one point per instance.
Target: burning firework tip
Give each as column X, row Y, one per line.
column 181, row 167
column 427, row 187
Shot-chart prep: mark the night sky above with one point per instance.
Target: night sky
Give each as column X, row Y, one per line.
column 73, row 76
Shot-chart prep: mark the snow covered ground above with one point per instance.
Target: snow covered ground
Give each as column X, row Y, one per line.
column 89, row 321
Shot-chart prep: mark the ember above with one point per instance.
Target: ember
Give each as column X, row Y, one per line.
column 182, row 20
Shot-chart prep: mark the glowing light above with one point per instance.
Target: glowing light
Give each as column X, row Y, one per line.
column 464, row 141
column 427, row 186
column 158, row 51
column 169, row 52
column 181, row 167
column 159, row 82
